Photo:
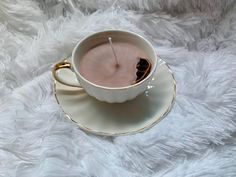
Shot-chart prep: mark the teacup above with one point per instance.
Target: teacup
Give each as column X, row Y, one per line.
column 104, row 93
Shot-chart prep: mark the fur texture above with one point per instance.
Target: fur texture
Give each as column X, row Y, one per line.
column 197, row 39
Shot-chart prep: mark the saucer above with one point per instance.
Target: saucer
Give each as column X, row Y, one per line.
column 113, row 119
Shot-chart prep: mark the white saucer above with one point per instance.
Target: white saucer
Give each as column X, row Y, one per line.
column 120, row 118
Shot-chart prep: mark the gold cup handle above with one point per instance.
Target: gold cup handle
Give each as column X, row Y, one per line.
column 63, row 65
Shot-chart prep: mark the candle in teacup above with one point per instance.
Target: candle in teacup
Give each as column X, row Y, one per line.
column 111, row 64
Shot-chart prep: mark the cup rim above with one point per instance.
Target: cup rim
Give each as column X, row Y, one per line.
column 153, row 69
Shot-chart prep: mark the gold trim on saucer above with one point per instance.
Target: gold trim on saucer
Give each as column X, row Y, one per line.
column 124, row 133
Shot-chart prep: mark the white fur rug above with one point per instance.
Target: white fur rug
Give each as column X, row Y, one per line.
column 197, row 38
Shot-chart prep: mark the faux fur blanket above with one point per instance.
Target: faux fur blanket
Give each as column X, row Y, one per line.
column 197, row 38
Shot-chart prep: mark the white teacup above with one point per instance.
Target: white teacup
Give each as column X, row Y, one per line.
column 102, row 93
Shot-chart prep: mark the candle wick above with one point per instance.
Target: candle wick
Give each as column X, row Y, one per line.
column 113, row 51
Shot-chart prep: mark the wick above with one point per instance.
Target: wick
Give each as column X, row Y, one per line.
column 114, row 53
